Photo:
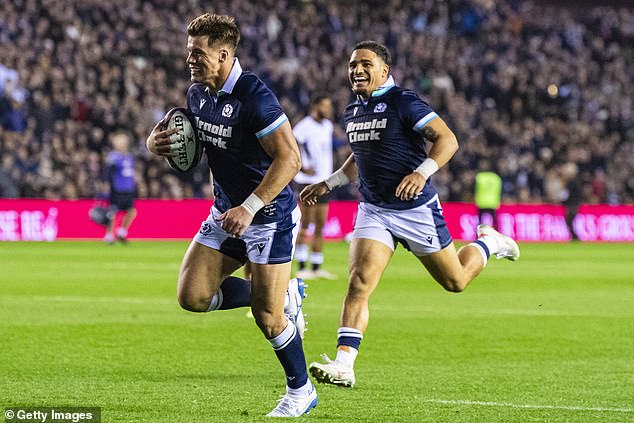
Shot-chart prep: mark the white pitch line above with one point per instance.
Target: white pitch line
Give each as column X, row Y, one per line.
column 530, row 406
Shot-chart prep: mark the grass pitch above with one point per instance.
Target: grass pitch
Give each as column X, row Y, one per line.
column 547, row 339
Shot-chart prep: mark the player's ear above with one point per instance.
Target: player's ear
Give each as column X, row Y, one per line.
column 224, row 55
column 386, row 70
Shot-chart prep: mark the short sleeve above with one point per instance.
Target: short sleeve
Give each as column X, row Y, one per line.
column 267, row 113
column 416, row 112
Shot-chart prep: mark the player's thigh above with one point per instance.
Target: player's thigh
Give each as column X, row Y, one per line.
column 445, row 267
column 203, row 269
column 368, row 260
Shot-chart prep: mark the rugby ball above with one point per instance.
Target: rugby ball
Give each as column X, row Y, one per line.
column 188, row 150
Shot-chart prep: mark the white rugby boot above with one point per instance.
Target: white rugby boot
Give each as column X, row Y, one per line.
column 508, row 248
column 332, row 372
column 295, row 294
column 291, row 405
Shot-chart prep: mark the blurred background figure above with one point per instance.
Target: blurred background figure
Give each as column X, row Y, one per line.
column 488, row 194
column 572, row 194
column 119, row 179
column 314, row 136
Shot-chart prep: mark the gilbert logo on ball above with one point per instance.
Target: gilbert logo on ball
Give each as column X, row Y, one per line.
column 185, row 144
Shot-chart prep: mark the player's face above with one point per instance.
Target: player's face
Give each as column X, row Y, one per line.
column 324, row 109
column 120, row 142
column 366, row 72
column 203, row 60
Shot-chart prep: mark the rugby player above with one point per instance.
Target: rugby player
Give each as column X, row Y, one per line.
column 253, row 156
column 387, row 127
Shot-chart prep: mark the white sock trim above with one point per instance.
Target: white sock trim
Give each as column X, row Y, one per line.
column 216, row 301
column 351, row 332
column 481, row 250
column 316, row 258
column 283, row 339
column 301, row 252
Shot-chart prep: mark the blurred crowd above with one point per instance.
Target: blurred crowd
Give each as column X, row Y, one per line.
column 540, row 94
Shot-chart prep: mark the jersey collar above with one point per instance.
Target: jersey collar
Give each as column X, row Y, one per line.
column 232, row 79
column 384, row 88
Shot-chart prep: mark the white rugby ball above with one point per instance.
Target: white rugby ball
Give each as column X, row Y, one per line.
column 188, row 150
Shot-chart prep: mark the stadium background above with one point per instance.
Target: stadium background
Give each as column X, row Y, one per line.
column 528, row 87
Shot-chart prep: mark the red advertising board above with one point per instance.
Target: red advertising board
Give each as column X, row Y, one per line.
column 44, row 220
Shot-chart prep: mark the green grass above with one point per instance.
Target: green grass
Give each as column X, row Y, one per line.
column 547, row 339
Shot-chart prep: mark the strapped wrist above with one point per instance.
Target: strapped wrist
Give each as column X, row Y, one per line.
column 337, row 179
column 253, row 204
column 427, row 168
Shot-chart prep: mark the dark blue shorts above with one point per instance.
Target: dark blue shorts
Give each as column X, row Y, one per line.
column 123, row 201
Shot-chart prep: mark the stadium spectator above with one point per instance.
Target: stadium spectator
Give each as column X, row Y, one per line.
column 530, row 86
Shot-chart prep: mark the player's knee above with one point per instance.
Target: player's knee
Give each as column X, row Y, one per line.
column 455, row 285
column 360, row 283
column 193, row 303
column 269, row 323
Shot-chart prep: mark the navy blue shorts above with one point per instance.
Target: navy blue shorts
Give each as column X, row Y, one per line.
column 123, row 201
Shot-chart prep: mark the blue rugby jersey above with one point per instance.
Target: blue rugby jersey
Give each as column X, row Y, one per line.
column 385, row 137
column 229, row 126
column 120, row 171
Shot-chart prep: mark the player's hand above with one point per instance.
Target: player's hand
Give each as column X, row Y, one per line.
column 308, row 171
column 311, row 193
column 158, row 142
column 235, row 221
column 410, row 186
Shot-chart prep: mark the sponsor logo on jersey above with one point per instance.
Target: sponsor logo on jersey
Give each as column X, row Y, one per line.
column 227, row 111
column 202, row 103
column 215, row 134
column 365, row 131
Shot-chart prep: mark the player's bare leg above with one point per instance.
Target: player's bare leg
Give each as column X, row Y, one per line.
column 454, row 270
column 128, row 218
column 202, row 272
column 302, row 253
column 268, row 289
column 317, row 256
column 368, row 260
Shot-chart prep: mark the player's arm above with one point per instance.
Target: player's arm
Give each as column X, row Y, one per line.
column 345, row 174
column 281, row 146
column 444, row 146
